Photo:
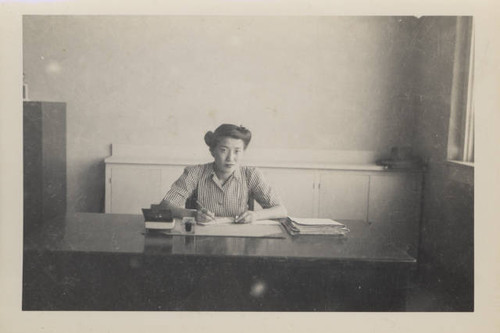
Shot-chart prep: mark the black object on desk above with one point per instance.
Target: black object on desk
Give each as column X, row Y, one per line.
column 90, row 261
column 189, row 226
column 157, row 219
column 157, row 215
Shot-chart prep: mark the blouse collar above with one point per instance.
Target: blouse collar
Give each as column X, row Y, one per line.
column 236, row 173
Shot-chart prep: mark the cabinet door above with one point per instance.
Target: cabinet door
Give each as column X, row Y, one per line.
column 394, row 207
column 133, row 188
column 295, row 188
column 343, row 196
column 169, row 174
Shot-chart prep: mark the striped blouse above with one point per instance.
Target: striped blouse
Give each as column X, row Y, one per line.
column 228, row 199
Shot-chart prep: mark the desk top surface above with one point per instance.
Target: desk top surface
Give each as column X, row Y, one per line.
column 120, row 233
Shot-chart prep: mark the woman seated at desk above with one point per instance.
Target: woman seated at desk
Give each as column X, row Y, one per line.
column 224, row 187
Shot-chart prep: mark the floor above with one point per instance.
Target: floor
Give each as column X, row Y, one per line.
column 440, row 295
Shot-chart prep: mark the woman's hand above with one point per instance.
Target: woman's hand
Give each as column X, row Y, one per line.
column 246, row 217
column 204, row 215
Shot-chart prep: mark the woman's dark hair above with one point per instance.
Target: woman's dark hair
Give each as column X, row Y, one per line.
column 212, row 139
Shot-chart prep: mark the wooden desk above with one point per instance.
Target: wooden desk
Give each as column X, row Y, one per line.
column 90, row 261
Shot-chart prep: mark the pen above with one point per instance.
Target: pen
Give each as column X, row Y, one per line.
column 199, row 204
column 204, row 210
column 238, row 217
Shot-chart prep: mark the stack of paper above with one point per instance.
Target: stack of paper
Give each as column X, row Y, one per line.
column 306, row 226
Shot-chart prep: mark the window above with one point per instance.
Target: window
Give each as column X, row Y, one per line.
column 461, row 130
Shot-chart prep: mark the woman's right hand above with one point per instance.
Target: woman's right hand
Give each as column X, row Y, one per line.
column 204, row 215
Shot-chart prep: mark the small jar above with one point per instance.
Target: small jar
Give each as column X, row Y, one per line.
column 189, row 224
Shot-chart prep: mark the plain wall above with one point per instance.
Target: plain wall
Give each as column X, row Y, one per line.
column 340, row 83
column 447, row 239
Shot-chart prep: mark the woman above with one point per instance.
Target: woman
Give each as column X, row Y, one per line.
column 223, row 187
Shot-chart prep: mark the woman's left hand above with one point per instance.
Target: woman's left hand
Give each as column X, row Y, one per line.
column 246, row 217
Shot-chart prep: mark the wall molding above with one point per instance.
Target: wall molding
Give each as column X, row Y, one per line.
column 292, row 158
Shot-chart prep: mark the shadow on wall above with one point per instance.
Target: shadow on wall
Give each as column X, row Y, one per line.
column 89, row 191
column 447, row 248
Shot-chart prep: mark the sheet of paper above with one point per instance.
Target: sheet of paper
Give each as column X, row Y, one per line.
column 230, row 220
column 263, row 228
column 239, row 230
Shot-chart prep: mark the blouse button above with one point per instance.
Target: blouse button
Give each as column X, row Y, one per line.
column 220, row 202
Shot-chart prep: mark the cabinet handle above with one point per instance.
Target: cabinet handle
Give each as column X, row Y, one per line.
column 314, row 185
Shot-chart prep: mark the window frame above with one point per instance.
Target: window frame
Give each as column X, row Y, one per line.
column 461, row 127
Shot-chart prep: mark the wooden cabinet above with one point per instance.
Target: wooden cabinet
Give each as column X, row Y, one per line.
column 169, row 174
column 338, row 195
column 44, row 162
column 288, row 183
column 132, row 187
column 388, row 200
column 372, row 196
column 343, row 195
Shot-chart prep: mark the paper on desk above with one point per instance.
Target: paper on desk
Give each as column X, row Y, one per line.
column 263, row 228
column 240, row 230
column 230, row 220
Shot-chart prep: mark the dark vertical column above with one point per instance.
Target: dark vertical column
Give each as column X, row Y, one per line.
column 44, row 161
column 32, row 163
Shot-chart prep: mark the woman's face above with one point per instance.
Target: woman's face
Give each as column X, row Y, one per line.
column 228, row 153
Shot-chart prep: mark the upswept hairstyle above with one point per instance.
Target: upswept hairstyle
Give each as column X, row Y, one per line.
column 212, row 139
